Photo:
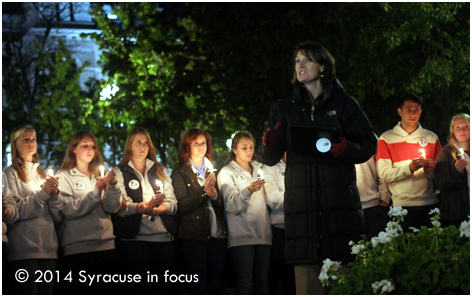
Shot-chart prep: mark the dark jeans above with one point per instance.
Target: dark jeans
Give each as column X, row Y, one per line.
column 376, row 219
column 147, row 258
column 251, row 261
column 281, row 275
column 31, row 287
column 206, row 259
column 418, row 216
column 93, row 263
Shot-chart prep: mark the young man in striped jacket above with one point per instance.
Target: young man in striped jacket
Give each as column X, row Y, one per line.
column 406, row 158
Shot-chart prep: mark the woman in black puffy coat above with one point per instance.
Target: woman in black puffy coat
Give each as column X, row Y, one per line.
column 322, row 206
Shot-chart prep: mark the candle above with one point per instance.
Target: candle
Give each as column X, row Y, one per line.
column 50, row 172
column 260, row 174
column 160, row 185
column 461, row 155
column 210, row 168
column 423, row 153
column 102, row 171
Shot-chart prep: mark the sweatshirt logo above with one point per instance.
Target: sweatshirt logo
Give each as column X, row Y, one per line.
column 423, row 142
column 242, row 179
column 133, row 184
column 79, row 186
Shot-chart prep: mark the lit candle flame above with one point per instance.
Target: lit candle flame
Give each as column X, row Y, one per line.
column 423, row 153
column 160, row 185
column 461, row 155
column 461, row 150
column 50, row 172
column 210, row 168
column 260, row 174
column 102, row 171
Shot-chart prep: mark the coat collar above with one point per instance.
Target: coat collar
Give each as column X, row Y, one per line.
column 399, row 130
column 206, row 161
column 300, row 92
column 149, row 165
column 255, row 165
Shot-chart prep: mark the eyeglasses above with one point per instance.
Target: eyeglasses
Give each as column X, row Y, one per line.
column 199, row 144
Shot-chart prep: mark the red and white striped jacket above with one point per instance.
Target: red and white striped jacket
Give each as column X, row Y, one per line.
column 396, row 149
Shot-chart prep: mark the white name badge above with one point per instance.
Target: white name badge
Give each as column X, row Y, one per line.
column 133, row 184
column 79, row 186
column 241, row 179
column 323, row 145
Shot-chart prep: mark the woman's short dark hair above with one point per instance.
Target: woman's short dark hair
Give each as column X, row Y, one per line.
column 317, row 53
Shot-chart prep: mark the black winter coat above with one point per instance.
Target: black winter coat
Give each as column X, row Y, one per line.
column 193, row 215
column 454, row 197
column 321, row 205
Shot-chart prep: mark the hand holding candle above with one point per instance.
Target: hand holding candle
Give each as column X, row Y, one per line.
column 417, row 164
column 111, row 177
column 256, row 185
column 156, row 200
column 51, row 185
column 460, row 165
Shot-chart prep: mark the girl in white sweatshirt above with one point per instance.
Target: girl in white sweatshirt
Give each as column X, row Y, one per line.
column 86, row 230
column 32, row 240
column 249, row 230
column 145, row 224
column 9, row 215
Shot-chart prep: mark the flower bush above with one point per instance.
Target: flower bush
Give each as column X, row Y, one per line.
column 432, row 260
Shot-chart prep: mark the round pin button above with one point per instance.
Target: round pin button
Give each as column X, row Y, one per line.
column 323, row 145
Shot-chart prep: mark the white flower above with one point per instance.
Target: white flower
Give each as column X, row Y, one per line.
column 434, row 211
column 397, row 211
column 323, row 276
column 329, row 265
column 357, row 248
column 465, row 229
column 383, row 237
column 436, row 223
column 375, row 287
column 393, row 229
column 414, row 229
column 375, row 241
column 385, row 286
